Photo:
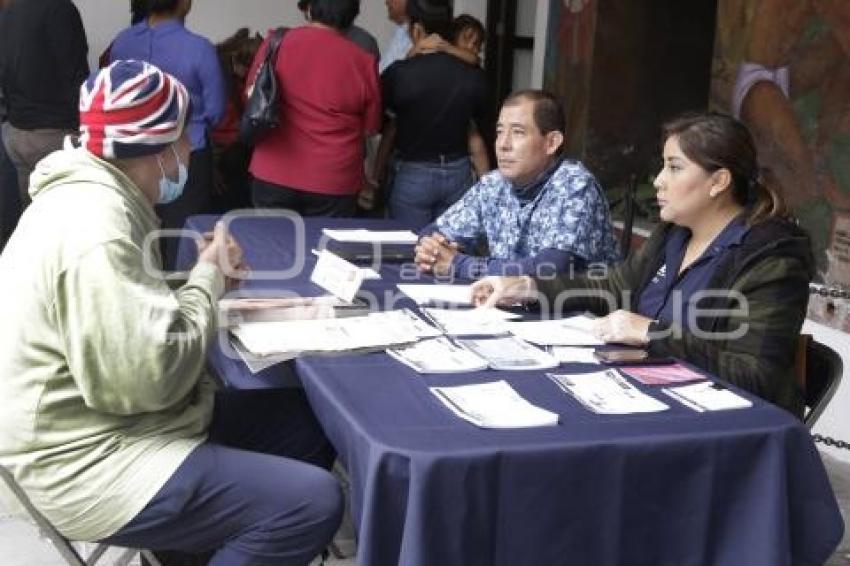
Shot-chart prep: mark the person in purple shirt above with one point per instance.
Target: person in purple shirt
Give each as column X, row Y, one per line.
column 163, row 40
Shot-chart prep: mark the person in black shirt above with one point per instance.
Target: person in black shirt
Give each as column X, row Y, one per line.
column 43, row 62
column 433, row 98
column 10, row 206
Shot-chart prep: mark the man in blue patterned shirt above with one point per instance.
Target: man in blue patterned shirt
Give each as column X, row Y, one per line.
column 539, row 213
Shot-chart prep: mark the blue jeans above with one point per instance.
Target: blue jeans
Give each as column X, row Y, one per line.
column 253, row 493
column 423, row 190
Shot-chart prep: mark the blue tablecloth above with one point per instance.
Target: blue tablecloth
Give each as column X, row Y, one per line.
column 743, row 487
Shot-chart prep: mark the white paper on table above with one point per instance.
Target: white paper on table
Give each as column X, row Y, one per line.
column 470, row 322
column 573, row 355
column 337, row 275
column 437, row 355
column 367, row 272
column 509, row 353
column 493, row 405
column 361, row 235
column 607, row 392
column 409, row 322
column 438, row 294
column 256, row 364
column 376, row 330
column 572, row 331
column 707, row 396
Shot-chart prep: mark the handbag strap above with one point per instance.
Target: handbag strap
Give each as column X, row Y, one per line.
column 271, row 55
column 274, row 44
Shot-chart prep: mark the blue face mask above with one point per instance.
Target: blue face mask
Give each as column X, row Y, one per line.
column 169, row 190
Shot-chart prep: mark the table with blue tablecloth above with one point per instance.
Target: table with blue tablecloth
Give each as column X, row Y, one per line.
column 741, row 487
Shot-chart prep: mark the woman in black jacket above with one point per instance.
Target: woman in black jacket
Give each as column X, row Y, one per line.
column 721, row 283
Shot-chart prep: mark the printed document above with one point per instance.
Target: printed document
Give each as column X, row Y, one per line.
column 470, row 322
column 509, row 353
column 367, row 272
column 376, row 330
column 607, row 392
column 493, row 405
column 572, row 331
column 437, row 355
column 337, row 275
column 707, row 396
column 438, row 294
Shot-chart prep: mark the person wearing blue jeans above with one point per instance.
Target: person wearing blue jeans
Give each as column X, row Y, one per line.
column 254, row 493
column 110, row 421
column 431, row 100
column 422, row 191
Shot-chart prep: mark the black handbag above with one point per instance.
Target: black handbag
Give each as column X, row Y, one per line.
column 262, row 110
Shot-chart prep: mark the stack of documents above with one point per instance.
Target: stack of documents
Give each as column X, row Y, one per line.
column 607, row 392
column 707, row 396
column 370, row 245
column 572, row 331
column 470, row 322
column 438, row 294
column 493, row 405
column 361, row 235
column 376, row 330
column 509, row 353
column 437, row 355
column 265, row 309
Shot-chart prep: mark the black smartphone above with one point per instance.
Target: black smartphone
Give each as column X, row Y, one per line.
column 630, row 357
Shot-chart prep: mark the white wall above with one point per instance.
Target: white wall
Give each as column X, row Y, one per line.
column 475, row 8
column 541, row 23
column 217, row 19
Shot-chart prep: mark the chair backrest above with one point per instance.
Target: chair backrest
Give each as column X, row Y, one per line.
column 823, row 369
column 62, row 544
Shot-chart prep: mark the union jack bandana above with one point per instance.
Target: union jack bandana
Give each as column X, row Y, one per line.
column 131, row 109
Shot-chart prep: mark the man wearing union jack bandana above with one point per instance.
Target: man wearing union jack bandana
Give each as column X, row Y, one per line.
column 109, row 422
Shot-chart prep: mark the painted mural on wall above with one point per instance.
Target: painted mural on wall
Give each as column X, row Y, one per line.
column 568, row 63
column 783, row 67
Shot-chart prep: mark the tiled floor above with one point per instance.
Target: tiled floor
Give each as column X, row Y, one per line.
column 20, row 544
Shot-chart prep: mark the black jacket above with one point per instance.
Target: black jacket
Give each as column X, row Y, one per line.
column 771, row 269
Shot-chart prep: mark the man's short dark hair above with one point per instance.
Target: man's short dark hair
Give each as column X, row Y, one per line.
column 162, row 6
column 339, row 14
column 435, row 16
column 548, row 112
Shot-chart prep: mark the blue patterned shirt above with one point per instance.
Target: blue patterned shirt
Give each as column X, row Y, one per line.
column 570, row 214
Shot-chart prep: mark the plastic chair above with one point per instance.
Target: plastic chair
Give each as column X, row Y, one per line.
column 819, row 371
column 62, row 544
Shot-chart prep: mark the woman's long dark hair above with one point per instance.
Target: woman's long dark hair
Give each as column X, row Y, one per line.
column 717, row 141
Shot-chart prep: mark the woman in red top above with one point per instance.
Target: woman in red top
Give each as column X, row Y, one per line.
column 330, row 101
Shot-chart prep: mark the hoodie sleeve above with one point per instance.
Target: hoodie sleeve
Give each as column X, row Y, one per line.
column 131, row 344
